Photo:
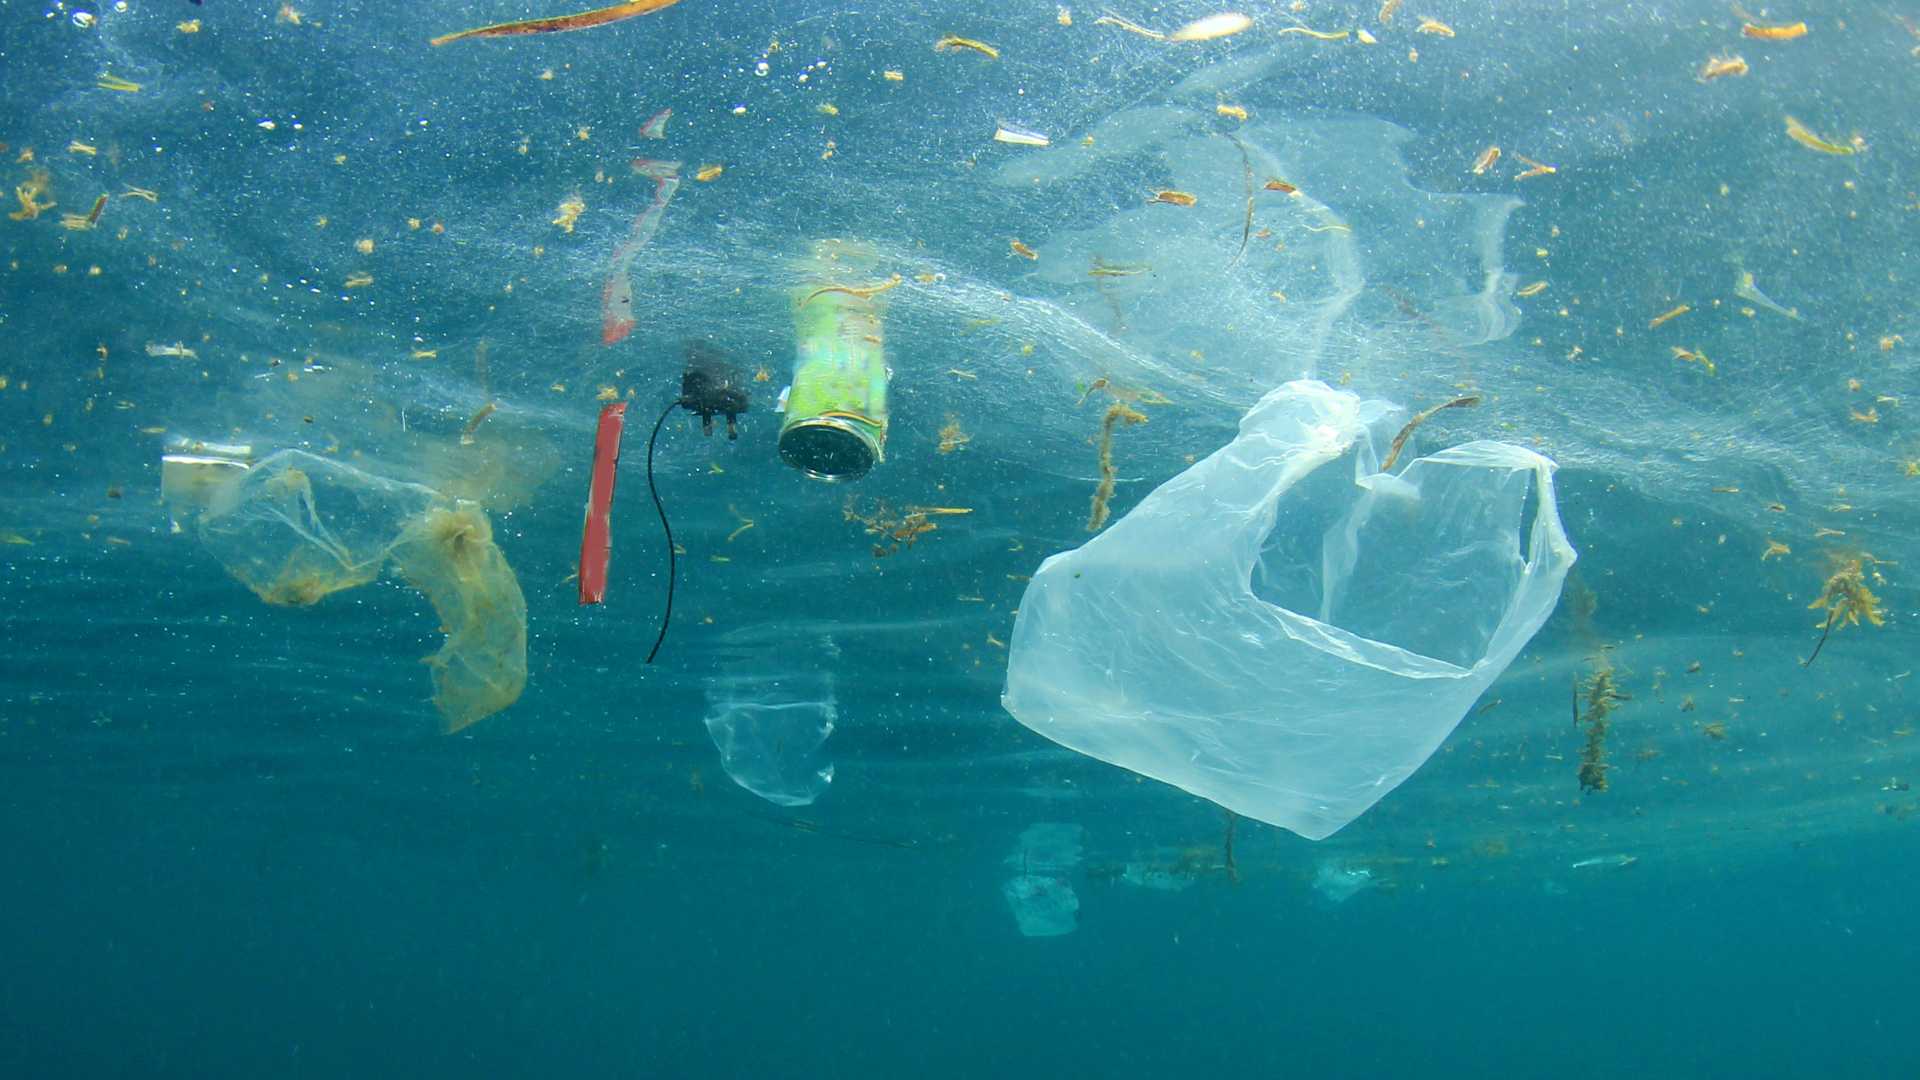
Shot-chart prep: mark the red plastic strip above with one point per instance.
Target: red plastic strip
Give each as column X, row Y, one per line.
column 596, row 542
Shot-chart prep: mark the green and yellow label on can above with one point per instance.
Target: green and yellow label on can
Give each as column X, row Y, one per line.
column 836, row 419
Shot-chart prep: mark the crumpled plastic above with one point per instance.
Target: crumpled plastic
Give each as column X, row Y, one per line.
column 1282, row 628
column 296, row 528
column 771, row 729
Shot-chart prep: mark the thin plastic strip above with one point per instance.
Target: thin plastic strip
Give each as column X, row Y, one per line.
column 596, row 544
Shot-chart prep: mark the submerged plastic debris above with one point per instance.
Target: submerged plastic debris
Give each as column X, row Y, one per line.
column 1340, row 882
column 1283, row 628
column 448, row 553
column 616, row 297
column 769, row 728
column 1041, row 893
column 1019, row 136
column 595, row 537
column 1606, row 862
column 1745, row 289
column 297, row 528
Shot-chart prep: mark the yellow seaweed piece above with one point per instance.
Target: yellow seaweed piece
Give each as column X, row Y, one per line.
column 1117, row 413
column 1668, row 316
column 952, row 436
column 1129, row 27
column 1847, row 600
column 866, row 292
column 29, row 192
column 1721, row 66
column 110, row 81
column 1694, row 356
column 1786, row 32
column 1801, row 134
column 951, row 43
column 1320, row 35
column 1421, row 417
column 1534, row 168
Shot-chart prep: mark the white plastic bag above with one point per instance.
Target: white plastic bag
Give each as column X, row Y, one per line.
column 1284, row 630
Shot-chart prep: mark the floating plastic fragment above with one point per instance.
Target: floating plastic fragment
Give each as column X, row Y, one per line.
column 596, row 543
column 1339, row 882
column 1019, row 136
column 1041, row 893
column 1745, row 289
column 192, row 470
column 616, row 297
column 769, row 729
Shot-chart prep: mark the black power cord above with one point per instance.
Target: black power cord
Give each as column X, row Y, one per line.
column 710, row 387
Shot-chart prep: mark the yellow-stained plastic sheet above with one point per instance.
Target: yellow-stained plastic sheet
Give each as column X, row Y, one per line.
column 297, row 528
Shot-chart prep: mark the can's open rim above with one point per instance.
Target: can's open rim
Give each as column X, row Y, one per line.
column 828, row 448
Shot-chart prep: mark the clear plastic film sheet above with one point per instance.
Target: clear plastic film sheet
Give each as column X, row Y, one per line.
column 771, row 730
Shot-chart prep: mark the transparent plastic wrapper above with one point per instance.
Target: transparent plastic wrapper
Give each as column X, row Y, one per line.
column 1042, row 906
column 296, row 528
column 770, row 731
column 1041, row 895
column 1284, row 630
column 1339, row 882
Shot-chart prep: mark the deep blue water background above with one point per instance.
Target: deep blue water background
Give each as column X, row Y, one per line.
column 232, row 845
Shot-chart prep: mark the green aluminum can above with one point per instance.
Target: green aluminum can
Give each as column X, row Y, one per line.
column 836, row 419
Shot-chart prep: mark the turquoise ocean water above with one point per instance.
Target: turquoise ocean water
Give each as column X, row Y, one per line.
column 236, row 840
